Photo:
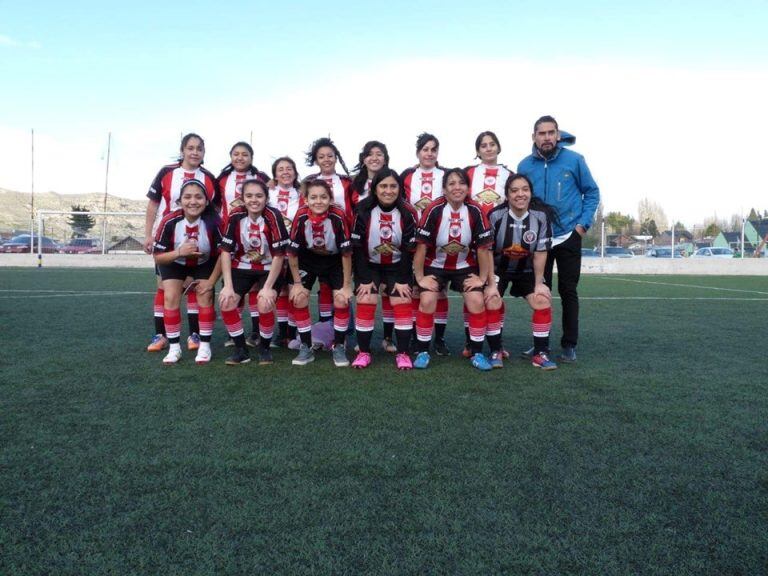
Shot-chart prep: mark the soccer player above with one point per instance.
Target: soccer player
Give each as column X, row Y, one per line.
column 320, row 249
column 383, row 239
column 186, row 246
column 252, row 255
column 422, row 185
column 488, row 177
column 522, row 233
column 163, row 197
column 230, row 181
column 452, row 250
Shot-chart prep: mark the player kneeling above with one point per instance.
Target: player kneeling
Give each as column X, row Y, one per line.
column 252, row 253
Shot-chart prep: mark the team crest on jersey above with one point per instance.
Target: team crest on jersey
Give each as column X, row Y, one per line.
column 385, row 249
column 490, row 182
column 423, row 203
column 455, row 229
column 282, row 205
column 488, row 196
column 453, row 247
column 385, row 232
column 515, row 252
column 426, row 187
column 254, row 255
column 529, row 236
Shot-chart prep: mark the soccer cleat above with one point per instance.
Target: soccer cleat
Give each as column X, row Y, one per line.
column 527, row 353
column 193, row 341
column 497, row 360
column 306, row 355
column 422, row 360
column 403, row 361
column 480, row 362
column 466, row 353
column 173, row 356
column 388, row 346
column 441, row 349
column 203, row 353
column 239, row 356
column 568, row 354
column 265, row 357
column 541, row 360
column 253, row 341
column 159, row 342
column 340, row 359
column 504, row 354
column 363, row 360
column 229, row 343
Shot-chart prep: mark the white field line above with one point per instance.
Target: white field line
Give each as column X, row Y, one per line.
column 684, row 285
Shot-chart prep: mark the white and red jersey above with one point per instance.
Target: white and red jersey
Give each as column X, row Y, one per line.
column 384, row 235
column 422, row 187
column 287, row 201
column 253, row 243
column 452, row 237
column 231, row 183
column 325, row 235
column 356, row 196
column 175, row 229
column 342, row 192
column 487, row 185
column 166, row 188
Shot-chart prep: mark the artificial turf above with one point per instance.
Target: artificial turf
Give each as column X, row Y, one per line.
column 647, row 456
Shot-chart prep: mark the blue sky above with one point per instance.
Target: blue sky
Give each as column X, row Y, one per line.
column 149, row 71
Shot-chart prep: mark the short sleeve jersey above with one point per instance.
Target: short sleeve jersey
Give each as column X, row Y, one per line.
column 230, row 184
column 341, row 186
column 287, row 201
column 324, row 235
column 175, row 229
column 516, row 239
column 385, row 234
column 421, row 186
column 452, row 237
column 488, row 183
column 254, row 243
column 166, row 188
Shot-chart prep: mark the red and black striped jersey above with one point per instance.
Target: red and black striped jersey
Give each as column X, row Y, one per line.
column 452, row 237
column 383, row 235
column 166, row 187
column 323, row 235
column 175, row 229
column 230, row 184
column 287, row 201
column 487, row 185
column 254, row 243
column 421, row 186
column 516, row 239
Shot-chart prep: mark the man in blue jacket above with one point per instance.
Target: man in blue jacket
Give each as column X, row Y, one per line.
column 561, row 179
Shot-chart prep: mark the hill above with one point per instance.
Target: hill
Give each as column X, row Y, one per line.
column 16, row 205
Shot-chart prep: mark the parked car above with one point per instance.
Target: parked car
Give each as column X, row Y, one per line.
column 82, row 246
column 664, row 252
column 713, row 252
column 589, row 253
column 617, row 252
column 20, row 244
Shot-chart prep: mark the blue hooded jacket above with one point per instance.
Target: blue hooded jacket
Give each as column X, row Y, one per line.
column 565, row 183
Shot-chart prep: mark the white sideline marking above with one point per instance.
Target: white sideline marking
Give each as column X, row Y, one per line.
column 685, row 285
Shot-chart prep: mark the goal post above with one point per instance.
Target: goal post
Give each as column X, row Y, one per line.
column 43, row 214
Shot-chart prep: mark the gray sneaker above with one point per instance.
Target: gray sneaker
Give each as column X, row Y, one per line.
column 340, row 356
column 568, row 354
column 306, row 355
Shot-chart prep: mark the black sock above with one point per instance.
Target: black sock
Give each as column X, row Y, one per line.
column 494, row 343
column 159, row 325
column 389, row 328
column 403, row 340
column 541, row 344
column 194, row 323
column 364, row 341
column 306, row 338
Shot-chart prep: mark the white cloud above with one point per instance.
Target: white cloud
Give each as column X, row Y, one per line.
column 8, row 41
column 688, row 140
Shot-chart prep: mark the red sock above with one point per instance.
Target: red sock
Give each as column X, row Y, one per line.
column 366, row 314
column 159, row 302
column 253, row 303
column 403, row 319
column 233, row 322
column 441, row 312
column 267, row 324
column 207, row 319
column 466, row 316
column 192, row 307
column 325, row 301
column 541, row 322
column 493, row 319
column 477, row 323
column 424, row 325
column 172, row 323
column 301, row 315
column 414, row 308
column 281, row 307
column 387, row 312
column 341, row 319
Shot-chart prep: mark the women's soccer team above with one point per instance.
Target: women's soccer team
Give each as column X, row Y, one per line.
column 373, row 235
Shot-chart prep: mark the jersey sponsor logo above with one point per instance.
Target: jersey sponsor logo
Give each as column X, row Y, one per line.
column 488, row 196
column 236, row 203
column 385, row 249
column 529, row 236
column 453, row 247
column 423, row 203
column 516, row 252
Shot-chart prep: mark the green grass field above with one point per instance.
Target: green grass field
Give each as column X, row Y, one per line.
column 648, row 456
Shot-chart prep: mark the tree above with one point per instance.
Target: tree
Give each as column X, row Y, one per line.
column 649, row 228
column 618, row 222
column 711, row 230
column 647, row 210
column 81, row 223
column 753, row 215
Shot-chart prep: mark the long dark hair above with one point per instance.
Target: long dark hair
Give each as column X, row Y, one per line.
column 321, row 143
column 536, row 202
column 184, row 140
column 209, row 215
column 292, row 163
column 462, row 174
column 479, row 141
column 250, row 170
column 370, row 202
column 362, row 172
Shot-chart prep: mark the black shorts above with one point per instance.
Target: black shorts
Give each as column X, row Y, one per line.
column 326, row 269
column 176, row 271
column 520, row 285
column 244, row 280
column 384, row 278
column 453, row 279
